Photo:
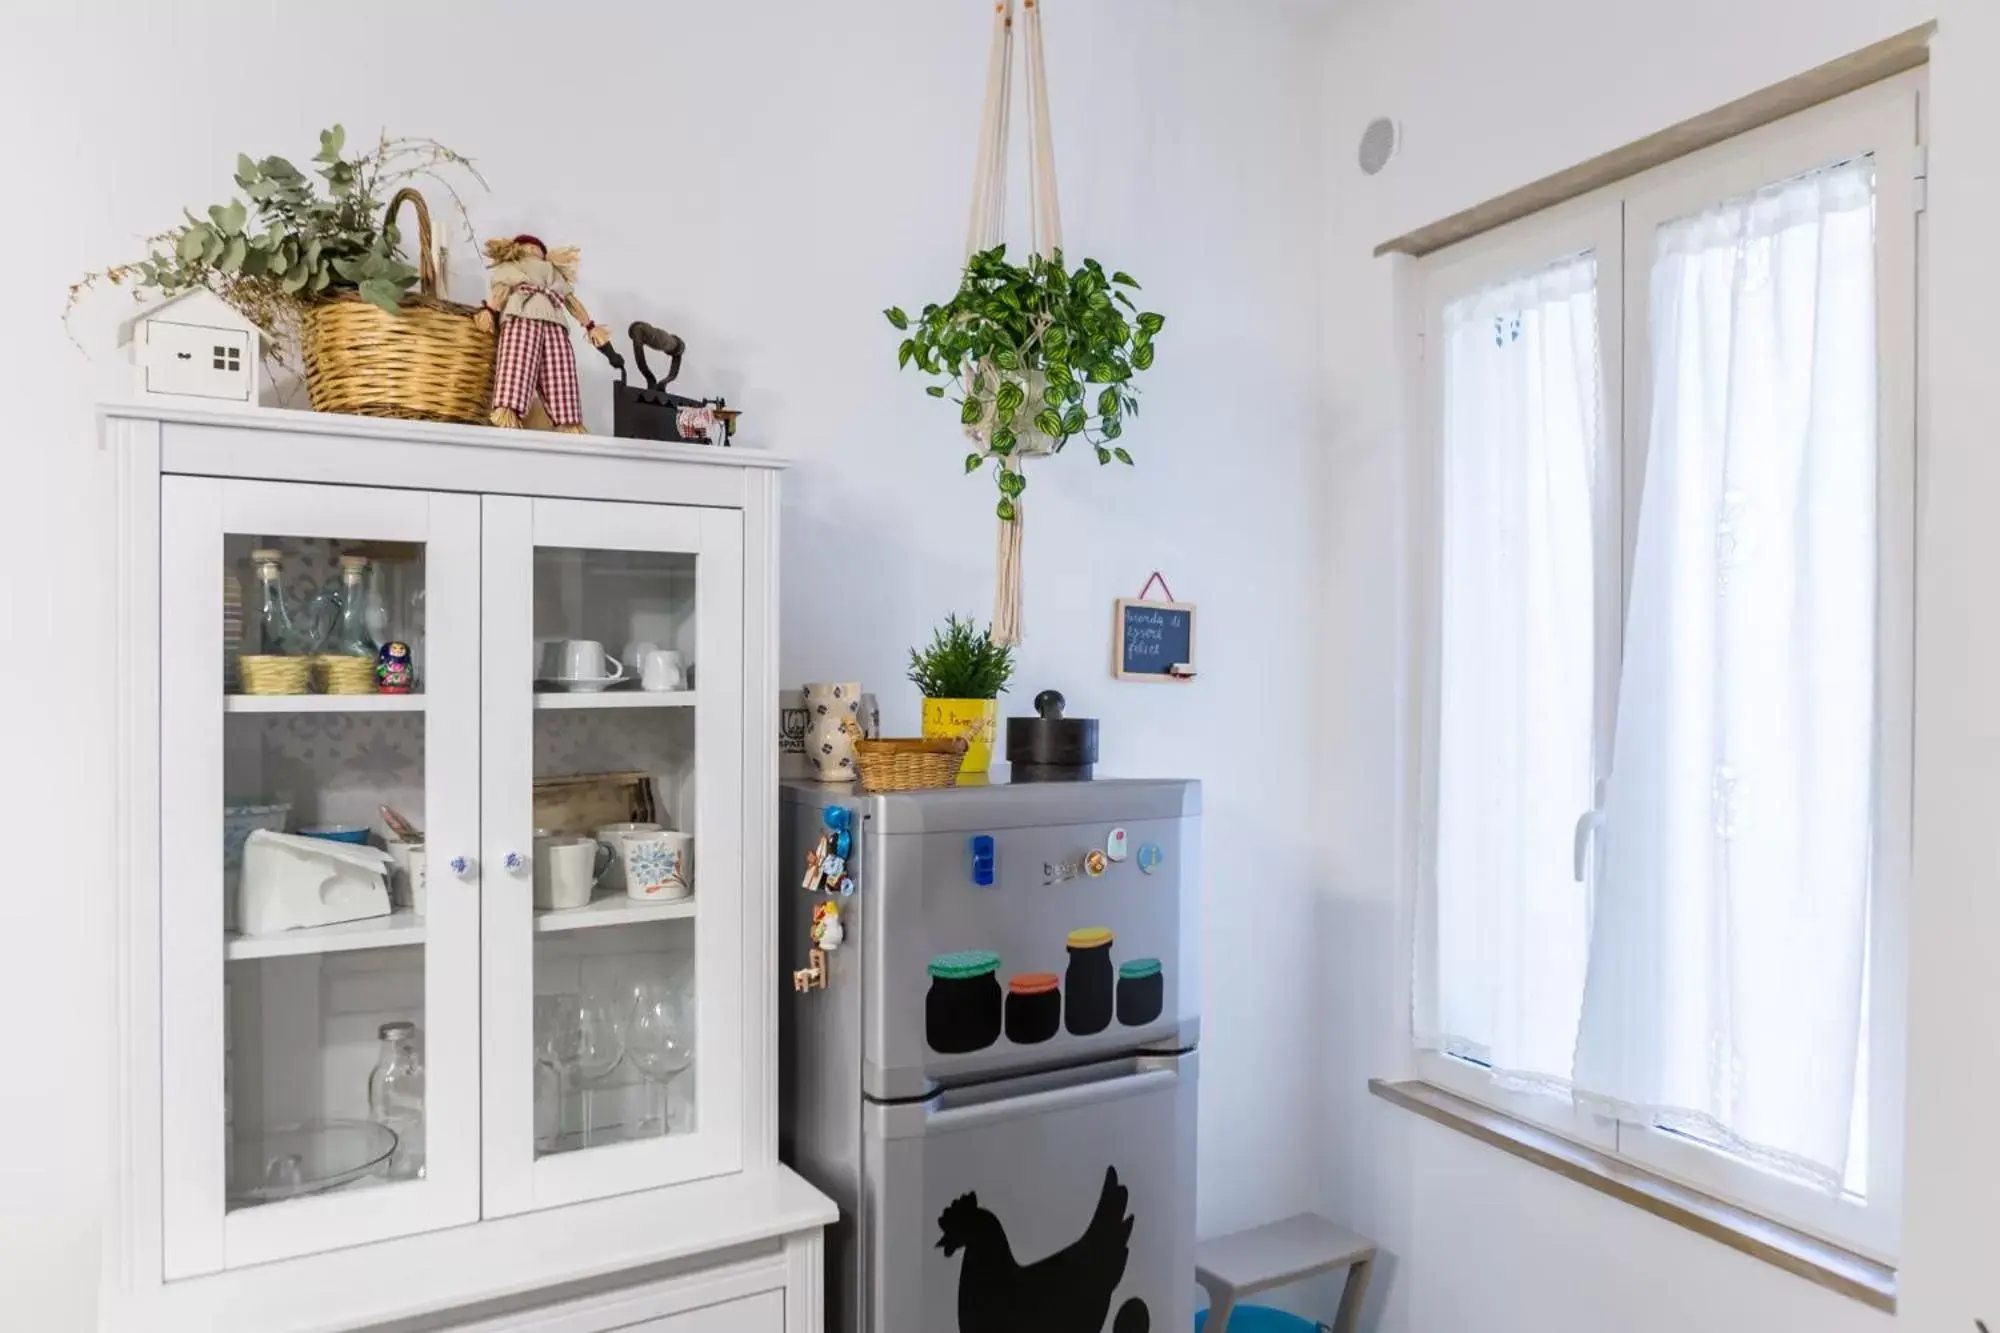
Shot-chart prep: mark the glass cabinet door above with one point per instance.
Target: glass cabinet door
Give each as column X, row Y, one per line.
column 318, row 908
column 613, row 775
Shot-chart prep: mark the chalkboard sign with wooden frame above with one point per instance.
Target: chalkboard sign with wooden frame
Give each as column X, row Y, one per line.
column 1152, row 640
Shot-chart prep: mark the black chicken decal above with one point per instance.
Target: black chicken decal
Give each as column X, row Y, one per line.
column 1068, row 1292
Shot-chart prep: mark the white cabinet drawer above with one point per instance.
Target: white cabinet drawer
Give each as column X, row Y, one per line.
column 762, row 1313
column 747, row 1297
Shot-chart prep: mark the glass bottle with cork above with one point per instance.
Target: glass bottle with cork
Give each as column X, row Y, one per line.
column 278, row 635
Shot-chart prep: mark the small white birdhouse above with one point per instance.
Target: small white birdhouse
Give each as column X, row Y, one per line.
column 194, row 346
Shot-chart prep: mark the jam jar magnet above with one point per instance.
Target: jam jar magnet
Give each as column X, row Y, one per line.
column 962, row 1011
column 1034, row 1007
column 1088, row 982
column 1141, row 992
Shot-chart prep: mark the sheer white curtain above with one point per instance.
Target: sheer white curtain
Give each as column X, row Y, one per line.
column 1728, row 953
column 1516, row 639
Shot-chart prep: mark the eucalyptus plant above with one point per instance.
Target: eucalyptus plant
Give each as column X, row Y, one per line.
column 296, row 240
column 1072, row 340
column 961, row 662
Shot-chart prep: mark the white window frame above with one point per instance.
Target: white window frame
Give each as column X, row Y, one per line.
column 1617, row 224
column 1594, row 225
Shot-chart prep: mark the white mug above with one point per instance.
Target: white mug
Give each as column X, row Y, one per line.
column 567, row 869
column 408, row 882
column 662, row 669
column 613, row 836
column 583, row 659
column 659, row 867
column 635, row 652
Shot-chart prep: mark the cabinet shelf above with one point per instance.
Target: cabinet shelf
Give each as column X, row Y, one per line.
column 619, row 699
column 322, row 703
column 613, row 910
column 377, row 932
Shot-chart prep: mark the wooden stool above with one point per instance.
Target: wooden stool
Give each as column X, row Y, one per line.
column 1234, row 1267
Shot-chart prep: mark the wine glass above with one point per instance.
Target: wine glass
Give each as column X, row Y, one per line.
column 578, row 1034
column 659, row 1037
column 554, row 1035
column 598, row 1050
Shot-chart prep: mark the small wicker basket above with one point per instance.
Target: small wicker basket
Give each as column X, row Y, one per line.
column 263, row 673
column 428, row 362
column 908, row 765
column 339, row 674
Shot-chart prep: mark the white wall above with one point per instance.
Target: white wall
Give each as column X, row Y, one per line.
column 1492, row 97
column 763, row 178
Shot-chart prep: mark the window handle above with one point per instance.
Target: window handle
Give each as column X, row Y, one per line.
column 1588, row 825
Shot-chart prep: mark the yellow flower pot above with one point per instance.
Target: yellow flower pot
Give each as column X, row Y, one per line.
column 972, row 719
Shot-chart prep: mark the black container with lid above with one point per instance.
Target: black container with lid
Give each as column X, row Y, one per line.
column 1050, row 747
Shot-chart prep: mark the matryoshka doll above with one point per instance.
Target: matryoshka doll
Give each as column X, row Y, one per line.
column 393, row 672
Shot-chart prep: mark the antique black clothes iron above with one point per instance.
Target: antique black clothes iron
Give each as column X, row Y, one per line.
column 652, row 413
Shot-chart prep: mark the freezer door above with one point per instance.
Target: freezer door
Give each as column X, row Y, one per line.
column 1013, row 948
column 1061, row 1203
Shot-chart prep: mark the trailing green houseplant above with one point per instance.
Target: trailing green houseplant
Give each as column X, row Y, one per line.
column 287, row 243
column 961, row 673
column 1033, row 349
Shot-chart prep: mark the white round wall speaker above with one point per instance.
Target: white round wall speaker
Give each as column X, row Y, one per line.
column 1378, row 144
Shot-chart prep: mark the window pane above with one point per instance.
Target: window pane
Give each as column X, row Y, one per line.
column 1517, row 664
column 1731, row 930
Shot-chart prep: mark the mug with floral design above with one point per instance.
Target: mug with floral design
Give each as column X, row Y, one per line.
column 659, row 867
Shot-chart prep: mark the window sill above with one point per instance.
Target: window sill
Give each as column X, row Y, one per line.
column 1815, row 1260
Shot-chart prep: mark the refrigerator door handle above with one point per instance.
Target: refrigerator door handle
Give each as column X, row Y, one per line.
column 954, row 1110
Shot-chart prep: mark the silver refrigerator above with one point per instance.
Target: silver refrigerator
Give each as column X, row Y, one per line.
column 997, row 1081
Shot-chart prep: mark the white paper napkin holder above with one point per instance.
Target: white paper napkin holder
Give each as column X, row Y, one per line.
column 290, row 882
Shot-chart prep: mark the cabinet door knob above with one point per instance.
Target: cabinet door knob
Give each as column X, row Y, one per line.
column 462, row 867
column 514, row 862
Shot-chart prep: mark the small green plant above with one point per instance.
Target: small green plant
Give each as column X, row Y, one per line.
column 1033, row 347
column 290, row 245
column 962, row 662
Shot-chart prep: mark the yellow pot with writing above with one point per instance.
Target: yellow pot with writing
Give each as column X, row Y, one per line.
column 973, row 720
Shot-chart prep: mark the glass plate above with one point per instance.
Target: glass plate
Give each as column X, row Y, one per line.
column 287, row 1161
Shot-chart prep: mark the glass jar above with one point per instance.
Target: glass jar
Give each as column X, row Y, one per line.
column 278, row 635
column 396, row 1096
column 962, row 1011
column 1088, row 983
column 351, row 636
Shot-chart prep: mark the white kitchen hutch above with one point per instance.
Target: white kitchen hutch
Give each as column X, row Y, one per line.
column 547, row 1190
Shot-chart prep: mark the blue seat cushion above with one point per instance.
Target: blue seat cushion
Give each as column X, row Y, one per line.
column 1258, row 1319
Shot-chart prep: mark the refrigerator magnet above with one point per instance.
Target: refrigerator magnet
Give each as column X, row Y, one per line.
column 815, row 861
column 1114, row 846
column 1094, row 863
column 826, row 928
column 1150, row 857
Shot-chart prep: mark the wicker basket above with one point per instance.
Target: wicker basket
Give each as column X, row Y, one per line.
column 338, row 674
column 273, row 674
column 426, row 363
column 908, row 765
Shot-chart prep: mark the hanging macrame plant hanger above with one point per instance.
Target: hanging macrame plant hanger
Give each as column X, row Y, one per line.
column 987, row 229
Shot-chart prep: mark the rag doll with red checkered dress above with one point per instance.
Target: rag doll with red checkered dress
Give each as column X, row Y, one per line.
column 531, row 292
